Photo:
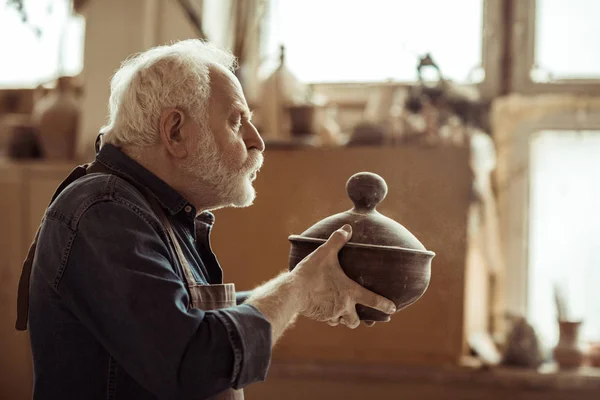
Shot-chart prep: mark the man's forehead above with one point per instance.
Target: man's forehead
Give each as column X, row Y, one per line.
column 224, row 83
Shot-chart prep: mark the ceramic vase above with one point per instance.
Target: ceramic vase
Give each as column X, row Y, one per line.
column 569, row 352
column 57, row 117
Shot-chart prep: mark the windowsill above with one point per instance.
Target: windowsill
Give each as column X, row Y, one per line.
column 355, row 95
column 7, row 163
column 469, row 373
column 308, row 142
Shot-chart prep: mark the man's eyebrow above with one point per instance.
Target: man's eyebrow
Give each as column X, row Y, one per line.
column 240, row 107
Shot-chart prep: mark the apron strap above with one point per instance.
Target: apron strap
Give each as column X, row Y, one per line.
column 187, row 270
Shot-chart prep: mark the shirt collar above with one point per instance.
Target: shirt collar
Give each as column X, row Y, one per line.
column 113, row 158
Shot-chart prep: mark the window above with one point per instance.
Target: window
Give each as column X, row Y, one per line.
column 553, row 47
column 30, row 60
column 566, row 40
column 375, row 40
column 564, row 230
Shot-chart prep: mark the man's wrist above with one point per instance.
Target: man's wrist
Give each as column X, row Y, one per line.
column 286, row 290
column 299, row 288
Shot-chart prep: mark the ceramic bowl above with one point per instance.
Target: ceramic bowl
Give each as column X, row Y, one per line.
column 382, row 255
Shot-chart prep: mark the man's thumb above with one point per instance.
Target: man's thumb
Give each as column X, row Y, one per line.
column 339, row 238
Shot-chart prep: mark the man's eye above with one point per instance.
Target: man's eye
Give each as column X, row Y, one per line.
column 236, row 122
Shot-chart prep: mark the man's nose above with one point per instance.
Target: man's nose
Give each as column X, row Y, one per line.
column 252, row 138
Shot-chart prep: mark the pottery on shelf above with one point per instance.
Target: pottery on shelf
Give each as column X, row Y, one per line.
column 302, row 119
column 594, row 354
column 522, row 348
column 569, row 352
column 24, row 143
column 57, row 116
column 382, row 255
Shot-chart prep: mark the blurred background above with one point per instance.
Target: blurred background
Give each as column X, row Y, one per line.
column 483, row 116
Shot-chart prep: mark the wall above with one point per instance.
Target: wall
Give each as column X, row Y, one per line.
column 15, row 364
column 26, row 189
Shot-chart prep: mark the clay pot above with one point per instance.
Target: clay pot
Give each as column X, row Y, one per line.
column 594, row 354
column 24, row 143
column 57, row 116
column 382, row 255
column 302, row 118
column 569, row 352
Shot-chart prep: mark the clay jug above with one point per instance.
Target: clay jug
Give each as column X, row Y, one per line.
column 569, row 352
column 57, row 117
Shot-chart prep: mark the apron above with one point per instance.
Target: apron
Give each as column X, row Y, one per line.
column 205, row 297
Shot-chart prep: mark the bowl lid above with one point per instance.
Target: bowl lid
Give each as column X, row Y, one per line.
column 369, row 227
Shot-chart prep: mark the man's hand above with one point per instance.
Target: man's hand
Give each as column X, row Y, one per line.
column 328, row 294
column 317, row 288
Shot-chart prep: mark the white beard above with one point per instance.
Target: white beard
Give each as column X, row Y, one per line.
column 216, row 182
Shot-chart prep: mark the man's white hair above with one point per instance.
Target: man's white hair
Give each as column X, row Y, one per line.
column 175, row 75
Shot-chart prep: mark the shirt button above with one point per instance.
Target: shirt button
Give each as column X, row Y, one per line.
column 188, row 209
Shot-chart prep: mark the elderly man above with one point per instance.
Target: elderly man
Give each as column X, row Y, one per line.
column 126, row 299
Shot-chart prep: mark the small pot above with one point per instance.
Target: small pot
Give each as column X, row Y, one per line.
column 382, row 255
column 594, row 354
column 569, row 352
column 303, row 119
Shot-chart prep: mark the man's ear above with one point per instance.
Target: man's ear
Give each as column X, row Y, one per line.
column 172, row 135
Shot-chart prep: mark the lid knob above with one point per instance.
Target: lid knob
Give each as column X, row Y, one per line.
column 366, row 190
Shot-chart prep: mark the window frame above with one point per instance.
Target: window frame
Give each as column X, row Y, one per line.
column 514, row 204
column 353, row 94
column 523, row 58
column 59, row 68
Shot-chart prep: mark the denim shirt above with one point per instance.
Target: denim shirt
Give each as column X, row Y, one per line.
column 109, row 315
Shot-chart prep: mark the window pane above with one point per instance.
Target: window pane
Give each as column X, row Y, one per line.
column 564, row 230
column 375, row 40
column 566, row 39
column 30, row 60
column 74, row 40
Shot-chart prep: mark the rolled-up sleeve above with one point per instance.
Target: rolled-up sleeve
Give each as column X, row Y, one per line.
column 250, row 335
column 241, row 297
column 119, row 281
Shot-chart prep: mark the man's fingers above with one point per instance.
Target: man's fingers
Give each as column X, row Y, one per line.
column 373, row 300
column 351, row 320
column 339, row 238
column 372, row 323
